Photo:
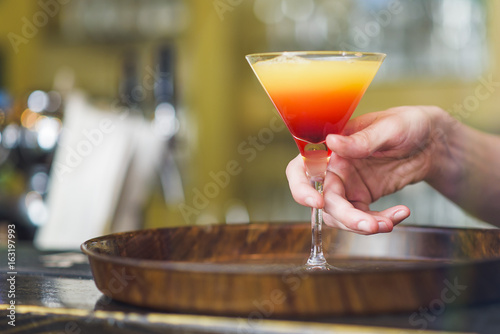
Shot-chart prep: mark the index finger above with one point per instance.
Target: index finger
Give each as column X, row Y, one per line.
column 302, row 190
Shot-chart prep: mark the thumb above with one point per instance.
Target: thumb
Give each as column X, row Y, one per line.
column 370, row 133
column 359, row 145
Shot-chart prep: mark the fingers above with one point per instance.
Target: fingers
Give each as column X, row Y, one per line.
column 358, row 145
column 347, row 217
column 340, row 213
column 393, row 216
column 355, row 215
column 365, row 135
column 302, row 191
column 355, row 188
column 396, row 214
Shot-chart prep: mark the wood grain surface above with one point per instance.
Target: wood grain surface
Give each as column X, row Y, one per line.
column 254, row 270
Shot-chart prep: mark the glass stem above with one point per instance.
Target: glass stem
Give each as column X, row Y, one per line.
column 316, row 258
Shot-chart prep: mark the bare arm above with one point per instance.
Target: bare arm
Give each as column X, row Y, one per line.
column 466, row 169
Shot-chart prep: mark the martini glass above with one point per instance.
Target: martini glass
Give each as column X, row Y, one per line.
column 315, row 94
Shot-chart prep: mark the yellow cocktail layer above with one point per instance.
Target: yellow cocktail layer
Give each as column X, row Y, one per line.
column 315, row 76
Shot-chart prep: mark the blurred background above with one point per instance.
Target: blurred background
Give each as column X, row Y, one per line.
column 125, row 114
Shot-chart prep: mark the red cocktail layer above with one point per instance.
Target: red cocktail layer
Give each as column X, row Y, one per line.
column 312, row 115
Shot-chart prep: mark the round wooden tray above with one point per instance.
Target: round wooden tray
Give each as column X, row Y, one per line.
column 251, row 270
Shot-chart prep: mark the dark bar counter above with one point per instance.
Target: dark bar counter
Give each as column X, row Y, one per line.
column 53, row 292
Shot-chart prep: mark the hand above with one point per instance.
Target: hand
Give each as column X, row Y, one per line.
column 377, row 154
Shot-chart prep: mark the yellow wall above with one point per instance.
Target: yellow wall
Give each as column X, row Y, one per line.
column 21, row 65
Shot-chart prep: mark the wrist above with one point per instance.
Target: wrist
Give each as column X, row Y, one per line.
column 445, row 150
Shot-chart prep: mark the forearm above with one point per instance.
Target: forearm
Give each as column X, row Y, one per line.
column 466, row 168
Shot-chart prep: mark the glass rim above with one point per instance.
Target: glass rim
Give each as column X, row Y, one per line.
column 318, row 53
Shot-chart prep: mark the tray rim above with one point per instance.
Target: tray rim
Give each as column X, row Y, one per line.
column 243, row 269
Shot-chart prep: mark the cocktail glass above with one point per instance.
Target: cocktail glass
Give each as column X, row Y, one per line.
column 315, row 94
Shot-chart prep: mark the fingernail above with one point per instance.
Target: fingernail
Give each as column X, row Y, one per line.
column 401, row 214
column 383, row 227
column 310, row 202
column 364, row 226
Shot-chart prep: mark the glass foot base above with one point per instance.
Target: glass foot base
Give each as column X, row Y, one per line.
column 321, row 265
